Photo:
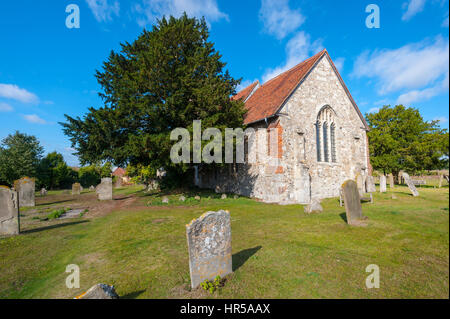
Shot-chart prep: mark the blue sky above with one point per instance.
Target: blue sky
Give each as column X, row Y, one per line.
column 47, row 70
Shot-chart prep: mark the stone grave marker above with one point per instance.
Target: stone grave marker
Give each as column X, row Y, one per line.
column 9, row 212
column 370, row 184
column 182, row 198
column 209, row 245
column 360, row 184
column 352, row 203
column 410, row 184
column 313, row 207
column 25, row 191
column 104, row 189
column 383, row 184
column 165, row 200
column 43, row 192
column 92, row 188
column 224, row 196
column 391, row 181
column 76, row 189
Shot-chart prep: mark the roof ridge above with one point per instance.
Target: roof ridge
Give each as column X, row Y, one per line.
column 295, row 66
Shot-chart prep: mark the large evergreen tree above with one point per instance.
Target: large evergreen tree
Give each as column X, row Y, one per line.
column 400, row 139
column 165, row 79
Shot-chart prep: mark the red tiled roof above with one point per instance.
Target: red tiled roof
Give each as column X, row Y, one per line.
column 243, row 94
column 268, row 98
column 119, row 172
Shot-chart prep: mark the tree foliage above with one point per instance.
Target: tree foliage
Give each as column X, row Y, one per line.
column 400, row 139
column 19, row 156
column 165, row 79
column 53, row 172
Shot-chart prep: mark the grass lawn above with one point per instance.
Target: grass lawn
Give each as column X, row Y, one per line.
column 138, row 244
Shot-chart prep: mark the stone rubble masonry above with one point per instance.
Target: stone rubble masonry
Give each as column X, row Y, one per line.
column 9, row 212
column 104, row 189
column 209, row 246
column 25, row 188
column 299, row 177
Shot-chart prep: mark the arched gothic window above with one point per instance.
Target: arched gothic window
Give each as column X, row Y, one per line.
column 326, row 135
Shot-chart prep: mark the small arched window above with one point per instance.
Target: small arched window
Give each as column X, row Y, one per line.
column 326, row 135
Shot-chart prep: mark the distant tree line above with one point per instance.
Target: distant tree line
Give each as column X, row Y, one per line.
column 22, row 155
column 400, row 139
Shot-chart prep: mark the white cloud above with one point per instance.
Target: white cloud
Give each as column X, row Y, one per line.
column 278, row 18
column 412, row 7
column 104, row 10
column 12, row 91
column 374, row 110
column 33, row 118
column 441, row 119
column 425, row 94
column 150, row 10
column 413, row 66
column 339, row 63
column 4, row 107
column 298, row 49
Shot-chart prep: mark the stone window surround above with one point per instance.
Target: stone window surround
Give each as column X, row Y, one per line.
column 326, row 150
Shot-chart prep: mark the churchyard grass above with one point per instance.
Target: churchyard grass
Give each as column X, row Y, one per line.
column 278, row 251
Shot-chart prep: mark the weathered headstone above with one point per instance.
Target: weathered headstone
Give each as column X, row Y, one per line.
column 235, row 196
column 25, row 191
column 391, row 181
column 224, row 196
column 43, row 192
column 9, row 212
column 99, row 291
column 410, row 184
column 104, row 189
column 370, row 184
column 76, row 189
column 383, row 184
column 446, row 178
column 209, row 245
column 153, row 185
column 352, row 202
column 118, row 182
column 313, row 207
column 441, row 179
column 360, row 184
column 165, row 200
column 182, row 198
column 197, row 197
column 92, row 188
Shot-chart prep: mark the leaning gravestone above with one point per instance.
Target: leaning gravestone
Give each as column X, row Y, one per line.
column 370, row 184
column 352, row 202
column 382, row 184
column 76, row 189
column 9, row 212
column 410, row 184
column 391, row 180
column 209, row 245
column 25, row 191
column 104, row 189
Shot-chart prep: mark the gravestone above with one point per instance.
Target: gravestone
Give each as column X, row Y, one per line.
column 9, row 211
column 104, row 189
column 209, row 245
column 25, row 191
column 446, row 178
column 391, row 181
column 165, row 200
column 360, row 184
column 76, row 189
column 197, row 197
column 224, row 196
column 92, row 188
column 410, row 184
column 43, row 192
column 235, row 196
column 313, row 207
column 352, row 203
column 382, row 184
column 370, row 184
column 118, row 182
column 182, row 198
column 441, row 179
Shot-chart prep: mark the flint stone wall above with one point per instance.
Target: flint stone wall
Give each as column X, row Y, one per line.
column 299, row 177
column 9, row 212
column 25, row 188
column 209, row 245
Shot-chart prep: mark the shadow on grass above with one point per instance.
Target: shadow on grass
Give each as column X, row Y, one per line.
column 132, row 295
column 57, row 202
column 344, row 217
column 241, row 257
column 35, row 230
